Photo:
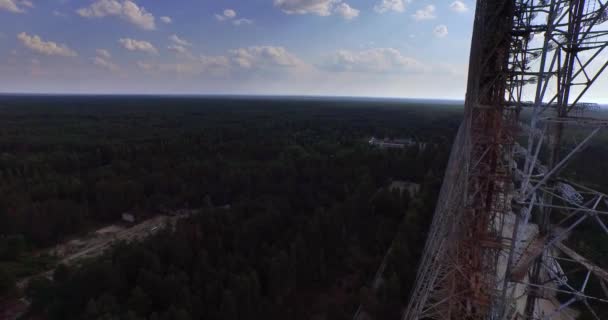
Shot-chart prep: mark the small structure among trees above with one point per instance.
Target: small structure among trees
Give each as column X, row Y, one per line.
column 387, row 143
column 129, row 217
column 405, row 186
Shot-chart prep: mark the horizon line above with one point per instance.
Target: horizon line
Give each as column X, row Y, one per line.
column 227, row 95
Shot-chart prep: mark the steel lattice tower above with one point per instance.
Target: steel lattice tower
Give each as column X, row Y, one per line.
column 498, row 244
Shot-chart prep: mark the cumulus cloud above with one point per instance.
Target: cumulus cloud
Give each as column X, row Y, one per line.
column 249, row 61
column 376, row 60
column 391, row 5
column 214, row 65
column 230, row 15
column 211, row 65
column 145, row 66
column 346, row 11
column 179, row 41
column 226, row 15
column 49, row 48
column 459, row 6
column 106, row 64
column 214, row 61
column 242, row 21
column 138, row 45
column 265, row 56
column 103, row 53
column 166, row 20
column 177, row 48
column 15, row 6
column 440, row 31
column 318, row 7
column 125, row 9
column 426, row 13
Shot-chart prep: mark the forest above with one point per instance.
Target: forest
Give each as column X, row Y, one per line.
column 293, row 210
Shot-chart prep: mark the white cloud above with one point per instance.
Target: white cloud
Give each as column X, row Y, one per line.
column 15, row 6
column 211, row 65
column 145, row 66
column 346, row 11
column 49, row 48
column 242, row 21
column 426, row 13
column 230, row 14
column 166, row 20
column 179, row 41
column 391, row 5
column 264, row 57
column 138, row 45
column 177, row 48
column 226, row 15
column 318, row 7
column 376, row 60
column 214, row 61
column 459, row 6
column 125, row 9
column 250, row 61
column 102, row 62
column 103, row 53
column 440, row 31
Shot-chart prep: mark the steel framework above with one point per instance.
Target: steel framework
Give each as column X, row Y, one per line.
column 499, row 246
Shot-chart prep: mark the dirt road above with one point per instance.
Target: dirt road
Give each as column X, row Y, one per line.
column 97, row 242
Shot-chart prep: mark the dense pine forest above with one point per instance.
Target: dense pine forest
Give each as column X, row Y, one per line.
column 293, row 210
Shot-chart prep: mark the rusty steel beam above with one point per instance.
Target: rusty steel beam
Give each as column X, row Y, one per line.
column 490, row 243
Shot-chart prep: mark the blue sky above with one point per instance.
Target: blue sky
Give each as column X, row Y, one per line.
column 387, row 48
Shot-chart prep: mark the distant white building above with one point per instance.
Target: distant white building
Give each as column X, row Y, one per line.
column 128, row 217
column 396, row 143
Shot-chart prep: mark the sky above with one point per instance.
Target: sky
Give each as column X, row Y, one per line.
column 373, row 48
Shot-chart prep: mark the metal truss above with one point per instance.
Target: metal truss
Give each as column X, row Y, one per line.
column 499, row 243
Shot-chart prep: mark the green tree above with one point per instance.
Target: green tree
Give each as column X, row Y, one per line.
column 131, row 316
column 11, row 247
column 91, row 311
column 41, row 292
column 7, row 282
column 228, row 309
column 61, row 273
column 139, row 301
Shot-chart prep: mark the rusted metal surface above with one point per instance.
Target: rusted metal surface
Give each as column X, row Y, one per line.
column 491, row 246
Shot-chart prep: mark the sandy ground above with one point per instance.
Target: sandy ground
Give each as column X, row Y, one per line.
column 93, row 244
column 97, row 242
